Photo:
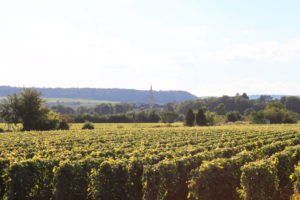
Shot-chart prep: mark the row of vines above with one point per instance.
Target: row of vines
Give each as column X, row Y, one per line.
column 226, row 163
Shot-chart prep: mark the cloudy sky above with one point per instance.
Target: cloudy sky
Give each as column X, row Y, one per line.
column 206, row 47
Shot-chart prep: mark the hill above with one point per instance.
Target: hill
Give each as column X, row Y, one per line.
column 115, row 95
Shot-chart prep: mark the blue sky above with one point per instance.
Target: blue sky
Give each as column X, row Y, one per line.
column 205, row 47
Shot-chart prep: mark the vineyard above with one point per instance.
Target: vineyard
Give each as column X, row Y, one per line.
column 152, row 161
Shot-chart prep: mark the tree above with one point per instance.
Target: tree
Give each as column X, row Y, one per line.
column 168, row 107
column 233, row 116
column 122, row 107
column 26, row 108
column 276, row 113
column 141, row 116
column 168, row 116
column 292, row 103
column 153, row 116
column 63, row 109
column 190, row 118
column 221, row 109
column 257, row 117
column 244, row 95
column 200, row 118
column 83, row 110
column 265, row 98
column 8, row 110
column 30, row 109
column 104, row 109
column 211, row 118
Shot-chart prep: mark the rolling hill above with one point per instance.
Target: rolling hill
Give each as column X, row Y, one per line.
column 100, row 94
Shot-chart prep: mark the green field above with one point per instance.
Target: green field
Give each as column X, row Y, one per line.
column 150, row 161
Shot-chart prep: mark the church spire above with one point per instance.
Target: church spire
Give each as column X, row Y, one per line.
column 151, row 99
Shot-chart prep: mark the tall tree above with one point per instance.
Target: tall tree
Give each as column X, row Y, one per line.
column 200, row 118
column 244, row 95
column 190, row 118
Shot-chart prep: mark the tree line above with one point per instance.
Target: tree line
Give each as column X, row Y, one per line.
column 217, row 110
column 28, row 108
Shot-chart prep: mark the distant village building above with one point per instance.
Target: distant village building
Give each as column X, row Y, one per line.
column 150, row 105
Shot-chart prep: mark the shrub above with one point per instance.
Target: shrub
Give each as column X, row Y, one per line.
column 257, row 117
column 259, row 180
column 63, row 125
column 1, row 130
column 211, row 118
column 88, row 125
column 296, row 179
column 233, row 116
column 168, row 116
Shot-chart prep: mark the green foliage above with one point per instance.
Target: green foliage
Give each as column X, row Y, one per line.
column 63, row 109
column 220, row 105
column 139, row 162
column 211, row 118
column 4, row 164
column 9, row 109
column 104, row 109
column 26, row 108
column 257, row 117
column 168, row 107
column 291, row 103
column 248, row 111
column 259, row 180
column 1, row 130
column 201, row 118
column 296, row 178
column 233, row 116
column 217, row 179
column 50, row 121
column 220, row 109
column 88, row 125
column 32, row 179
column 190, row 118
column 276, row 113
column 110, row 181
column 71, row 181
column 122, row 107
column 168, row 116
column 153, row 116
column 63, row 125
column 285, row 162
column 141, row 116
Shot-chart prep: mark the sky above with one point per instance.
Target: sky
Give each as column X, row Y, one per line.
column 209, row 48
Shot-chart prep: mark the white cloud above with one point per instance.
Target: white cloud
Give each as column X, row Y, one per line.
column 271, row 52
column 250, row 86
column 189, row 32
